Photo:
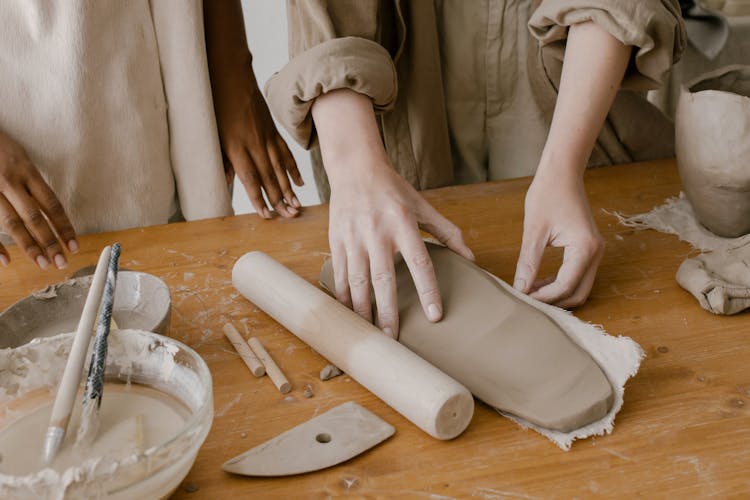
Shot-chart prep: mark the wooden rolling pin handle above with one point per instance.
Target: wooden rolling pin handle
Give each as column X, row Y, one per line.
column 247, row 355
column 419, row 391
column 273, row 370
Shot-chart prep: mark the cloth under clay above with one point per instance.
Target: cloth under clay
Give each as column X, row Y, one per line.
column 719, row 278
column 713, row 214
column 536, row 364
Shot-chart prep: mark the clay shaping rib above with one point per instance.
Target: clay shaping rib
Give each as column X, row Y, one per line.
column 507, row 353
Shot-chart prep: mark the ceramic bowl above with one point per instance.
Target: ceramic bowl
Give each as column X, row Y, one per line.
column 136, row 357
column 142, row 302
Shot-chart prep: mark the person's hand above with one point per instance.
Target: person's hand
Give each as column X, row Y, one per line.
column 30, row 212
column 375, row 214
column 252, row 146
column 557, row 213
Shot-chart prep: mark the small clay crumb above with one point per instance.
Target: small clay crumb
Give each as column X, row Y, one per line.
column 663, row 349
column 243, row 435
column 701, row 378
column 191, row 487
column 349, row 482
column 309, row 391
column 329, row 371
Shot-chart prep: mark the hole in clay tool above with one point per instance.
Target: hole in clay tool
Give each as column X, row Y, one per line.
column 323, row 438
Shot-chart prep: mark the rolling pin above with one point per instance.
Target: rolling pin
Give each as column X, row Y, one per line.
column 423, row 394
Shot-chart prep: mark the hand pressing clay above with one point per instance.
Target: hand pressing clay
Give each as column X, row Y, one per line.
column 507, row 353
column 713, row 150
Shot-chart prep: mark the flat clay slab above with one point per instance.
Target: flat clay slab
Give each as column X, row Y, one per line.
column 507, row 353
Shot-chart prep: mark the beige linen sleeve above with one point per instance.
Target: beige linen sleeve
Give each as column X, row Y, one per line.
column 333, row 44
column 654, row 27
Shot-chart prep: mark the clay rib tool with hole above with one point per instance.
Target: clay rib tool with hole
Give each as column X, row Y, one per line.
column 423, row 394
column 327, row 440
column 509, row 354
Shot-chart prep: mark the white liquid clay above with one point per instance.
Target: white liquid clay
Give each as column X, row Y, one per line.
column 133, row 418
column 155, row 413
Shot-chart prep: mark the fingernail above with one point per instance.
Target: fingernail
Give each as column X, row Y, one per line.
column 292, row 210
column 433, row 313
column 73, row 246
column 519, row 284
column 266, row 213
column 42, row 262
column 4, row 260
column 388, row 331
column 60, row 261
column 296, row 202
column 471, row 255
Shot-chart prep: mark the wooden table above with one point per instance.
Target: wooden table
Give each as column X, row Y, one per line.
column 684, row 430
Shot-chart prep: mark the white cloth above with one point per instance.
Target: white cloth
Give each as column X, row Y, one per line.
column 112, row 102
column 719, row 278
column 618, row 357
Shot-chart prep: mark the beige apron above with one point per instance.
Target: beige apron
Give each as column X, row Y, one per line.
column 112, row 102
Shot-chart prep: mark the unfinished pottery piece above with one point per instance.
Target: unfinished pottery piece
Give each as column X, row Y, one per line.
column 713, row 149
column 507, row 353
column 142, row 302
column 327, row 440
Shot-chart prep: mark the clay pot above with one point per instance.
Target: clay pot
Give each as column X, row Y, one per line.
column 713, row 148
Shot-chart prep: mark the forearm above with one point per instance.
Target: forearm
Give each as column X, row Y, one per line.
column 348, row 133
column 226, row 41
column 594, row 66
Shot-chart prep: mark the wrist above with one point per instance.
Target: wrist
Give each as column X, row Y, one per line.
column 349, row 138
column 560, row 166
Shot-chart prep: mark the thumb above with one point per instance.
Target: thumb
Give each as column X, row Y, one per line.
column 532, row 249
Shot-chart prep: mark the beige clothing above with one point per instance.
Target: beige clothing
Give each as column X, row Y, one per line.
column 112, row 102
column 464, row 91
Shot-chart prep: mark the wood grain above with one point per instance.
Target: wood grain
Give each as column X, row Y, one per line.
column 684, row 430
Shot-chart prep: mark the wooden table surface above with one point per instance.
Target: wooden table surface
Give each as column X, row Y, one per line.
column 684, row 430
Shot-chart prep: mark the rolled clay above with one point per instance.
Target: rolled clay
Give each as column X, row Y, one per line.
column 422, row 393
column 712, row 127
column 509, row 354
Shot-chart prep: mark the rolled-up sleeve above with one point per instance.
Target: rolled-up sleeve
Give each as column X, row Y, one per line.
column 653, row 27
column 333, row 45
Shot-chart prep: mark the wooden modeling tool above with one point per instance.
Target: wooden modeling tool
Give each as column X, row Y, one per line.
column 92, row 395
column 423, row 394
column 329, row 439
column 71, row 378
column 243, row 349
column 273, row 370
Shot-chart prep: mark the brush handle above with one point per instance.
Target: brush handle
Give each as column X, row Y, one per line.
column 71, row 378
column 95, row 379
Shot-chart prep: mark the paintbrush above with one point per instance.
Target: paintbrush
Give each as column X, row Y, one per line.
column 92, row 395
column 71, row 378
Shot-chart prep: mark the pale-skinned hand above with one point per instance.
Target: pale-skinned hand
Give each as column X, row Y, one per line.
column 557, row 214
column 30, row 212
column 375, row 214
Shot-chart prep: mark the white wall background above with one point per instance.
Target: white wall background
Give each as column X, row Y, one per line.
column 265, row 23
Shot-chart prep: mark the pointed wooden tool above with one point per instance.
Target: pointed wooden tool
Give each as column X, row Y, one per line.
column 328, row 439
